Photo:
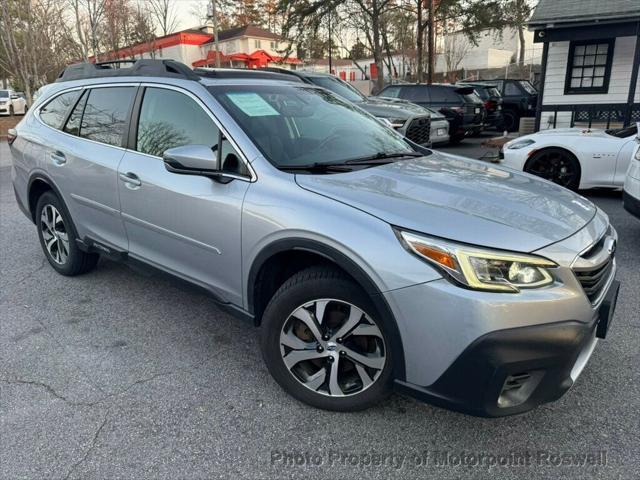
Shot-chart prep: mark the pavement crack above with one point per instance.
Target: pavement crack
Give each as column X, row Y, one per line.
column 50, row 390
column 88, row 451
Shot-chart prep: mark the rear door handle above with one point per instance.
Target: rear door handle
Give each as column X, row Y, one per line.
column 58, row 158
column 130, row 179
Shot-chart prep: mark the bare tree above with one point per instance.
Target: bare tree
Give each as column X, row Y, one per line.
column 36, row 42
column 164, row 15
column 456, row 47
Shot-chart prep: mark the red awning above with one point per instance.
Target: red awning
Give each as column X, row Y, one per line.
column 258, row 59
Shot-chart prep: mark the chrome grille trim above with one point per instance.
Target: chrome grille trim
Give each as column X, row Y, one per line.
column 595, row 268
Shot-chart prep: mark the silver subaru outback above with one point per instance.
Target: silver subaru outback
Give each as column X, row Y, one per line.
column 369, row 262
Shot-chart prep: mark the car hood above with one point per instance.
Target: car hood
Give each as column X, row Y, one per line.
column 462, row 200
column 382, row 107
column 573, row 132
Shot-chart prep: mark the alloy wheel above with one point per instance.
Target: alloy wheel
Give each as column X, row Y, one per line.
column 54, row 234
column 332, row 347
column 555, row 167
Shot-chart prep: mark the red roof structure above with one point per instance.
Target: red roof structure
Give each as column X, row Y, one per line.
column 258, row 59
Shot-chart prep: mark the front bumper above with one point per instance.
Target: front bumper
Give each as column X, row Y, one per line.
column 514, row 370
column 461, row 346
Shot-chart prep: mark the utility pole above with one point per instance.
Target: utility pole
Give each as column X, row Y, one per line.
column 211, row 13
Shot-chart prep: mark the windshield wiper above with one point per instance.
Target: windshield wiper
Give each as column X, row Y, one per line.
column 379, row 158
column 318, row 167
column 371, row 159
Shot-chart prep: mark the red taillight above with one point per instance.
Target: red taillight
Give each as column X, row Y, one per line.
column 490, row 104
column 12, row 135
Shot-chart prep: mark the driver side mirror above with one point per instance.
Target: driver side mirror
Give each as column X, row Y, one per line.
column 193, row 160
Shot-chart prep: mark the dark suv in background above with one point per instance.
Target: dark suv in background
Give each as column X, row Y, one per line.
column 461, row 105
column 519, row 99
column 490, row 95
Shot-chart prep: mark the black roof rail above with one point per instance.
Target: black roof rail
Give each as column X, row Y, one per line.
column 244, row 73
column 139, row 68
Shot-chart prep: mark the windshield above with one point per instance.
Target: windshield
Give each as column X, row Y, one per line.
column 528, row 87
column 623, row 132
column 339, row 88
column 4, row 93
column 294, row 125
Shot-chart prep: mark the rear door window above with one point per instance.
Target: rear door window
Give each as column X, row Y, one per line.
column 106, row 113
column 54, row 112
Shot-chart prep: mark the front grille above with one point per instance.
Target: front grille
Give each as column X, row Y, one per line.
column 594, row 280
column 419, row 130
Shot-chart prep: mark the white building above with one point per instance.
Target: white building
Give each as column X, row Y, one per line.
column 590, row 63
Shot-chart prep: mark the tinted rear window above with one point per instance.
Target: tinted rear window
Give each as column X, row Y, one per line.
column 528, row 87
column 415, row 93
column 54, row 112
column 105, row 115
column 472, row 98
column 444, row 95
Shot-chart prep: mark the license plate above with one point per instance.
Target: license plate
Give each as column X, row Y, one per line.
column 477, row 110
column 441, row 132
column 499, row 107
column 607, row 310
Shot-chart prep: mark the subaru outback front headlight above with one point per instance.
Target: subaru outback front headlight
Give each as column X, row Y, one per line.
column 478, row 268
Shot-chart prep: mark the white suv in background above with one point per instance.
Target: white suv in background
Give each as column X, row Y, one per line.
column 11, row 103
column 631, row 194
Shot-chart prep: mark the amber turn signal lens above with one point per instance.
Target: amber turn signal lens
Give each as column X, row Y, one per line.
column 443, row 258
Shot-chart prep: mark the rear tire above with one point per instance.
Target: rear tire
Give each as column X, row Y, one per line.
column 511, row 120
column 58, row 237
column 340, row 360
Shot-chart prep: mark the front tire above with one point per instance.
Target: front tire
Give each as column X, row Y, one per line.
column 58, row 238
column 324, row 342
column 557, row 166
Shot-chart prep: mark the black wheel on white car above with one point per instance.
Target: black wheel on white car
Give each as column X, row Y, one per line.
column 556, row 165
column 11, row 111
column 324, row 342
column 57, row 237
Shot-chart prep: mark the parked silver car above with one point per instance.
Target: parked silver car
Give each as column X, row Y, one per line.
column 368, row 263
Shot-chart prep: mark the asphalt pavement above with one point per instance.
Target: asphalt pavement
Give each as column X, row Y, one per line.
column 116, row 374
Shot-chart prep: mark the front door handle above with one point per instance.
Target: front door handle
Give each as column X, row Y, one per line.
column 130, row 179
column 58, row 158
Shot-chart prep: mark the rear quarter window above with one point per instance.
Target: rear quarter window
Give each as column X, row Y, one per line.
column 55, row 111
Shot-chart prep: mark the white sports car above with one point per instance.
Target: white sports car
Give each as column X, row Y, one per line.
column 576, row 158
